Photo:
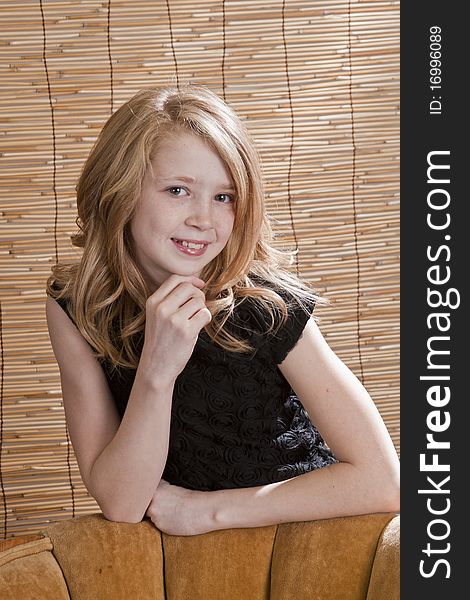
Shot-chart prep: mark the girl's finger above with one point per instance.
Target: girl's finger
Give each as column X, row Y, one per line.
column 173, row 282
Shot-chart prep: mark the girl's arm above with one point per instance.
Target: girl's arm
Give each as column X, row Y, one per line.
column 121, row 462
column 366, row 480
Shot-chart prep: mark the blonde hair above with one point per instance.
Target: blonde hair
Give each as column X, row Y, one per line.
column 105, row 292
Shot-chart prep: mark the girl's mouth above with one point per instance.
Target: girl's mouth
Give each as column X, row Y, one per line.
column 190, row 248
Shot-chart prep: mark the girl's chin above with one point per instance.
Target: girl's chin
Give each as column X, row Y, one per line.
column 157, row 281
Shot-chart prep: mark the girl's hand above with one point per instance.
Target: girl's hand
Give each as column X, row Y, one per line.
column 178, row 511
column 175, row 314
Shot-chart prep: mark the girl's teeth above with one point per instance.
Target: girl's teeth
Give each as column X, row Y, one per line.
column 192, row 245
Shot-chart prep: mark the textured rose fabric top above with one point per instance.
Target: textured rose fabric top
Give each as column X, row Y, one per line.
column 235, row 420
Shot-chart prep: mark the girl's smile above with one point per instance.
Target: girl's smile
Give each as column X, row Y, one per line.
column 191, row 247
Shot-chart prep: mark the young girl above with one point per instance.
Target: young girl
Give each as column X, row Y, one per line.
column 195, row 381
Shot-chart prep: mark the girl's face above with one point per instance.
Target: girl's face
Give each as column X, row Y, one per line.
column 185, row 213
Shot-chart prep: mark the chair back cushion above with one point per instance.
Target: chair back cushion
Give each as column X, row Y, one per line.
column 327, row 559
column 101, row 559
column 231, row 564
column 29, row 571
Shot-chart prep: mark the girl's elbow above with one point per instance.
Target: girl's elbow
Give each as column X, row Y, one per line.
column 391, row 503
column 395, row 499
column 389, row 498
column 115, row 508
column 121, row 516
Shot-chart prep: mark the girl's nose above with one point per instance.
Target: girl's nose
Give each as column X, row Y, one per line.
column 201, row 215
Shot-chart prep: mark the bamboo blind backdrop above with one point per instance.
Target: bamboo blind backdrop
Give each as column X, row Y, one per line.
column 317, row 84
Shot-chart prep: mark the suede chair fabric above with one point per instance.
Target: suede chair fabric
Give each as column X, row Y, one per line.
column 350, row 558
column 329, row 559
column 101, row 559
column 231, row 564
column 28, row 571
column 385, row 577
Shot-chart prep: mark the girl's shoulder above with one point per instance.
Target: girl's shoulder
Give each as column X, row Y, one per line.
column 54, row 292
column 62, row 302
column 272, row 330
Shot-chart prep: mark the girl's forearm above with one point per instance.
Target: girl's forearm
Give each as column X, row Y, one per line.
column 126, row 474
column 337, row 490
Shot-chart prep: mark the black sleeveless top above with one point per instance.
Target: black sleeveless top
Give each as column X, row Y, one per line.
column 235, row 420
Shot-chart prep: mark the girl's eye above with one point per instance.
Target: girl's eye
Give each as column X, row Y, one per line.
column 176, row 191
column 225, row 198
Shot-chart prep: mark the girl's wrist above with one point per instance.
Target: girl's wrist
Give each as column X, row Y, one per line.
column 245, row 507
column 224, row 510
column 155, row 378
column 206, row 511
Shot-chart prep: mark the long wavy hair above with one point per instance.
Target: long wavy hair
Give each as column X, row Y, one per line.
column 105, row 292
